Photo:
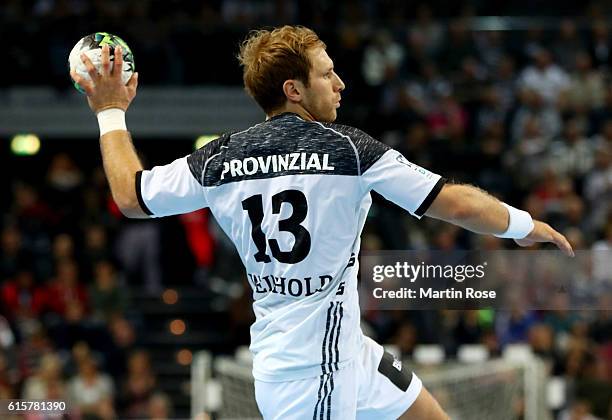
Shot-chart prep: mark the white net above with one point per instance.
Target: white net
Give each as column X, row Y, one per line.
column 494, row 389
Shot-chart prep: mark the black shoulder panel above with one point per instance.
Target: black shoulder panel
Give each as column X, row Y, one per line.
column 368, row 148
column 283, row 145
column 197, row 160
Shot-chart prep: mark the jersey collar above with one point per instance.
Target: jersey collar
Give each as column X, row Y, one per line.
column 283, row 115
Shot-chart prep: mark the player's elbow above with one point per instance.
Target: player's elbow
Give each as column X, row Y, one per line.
column 128, row 206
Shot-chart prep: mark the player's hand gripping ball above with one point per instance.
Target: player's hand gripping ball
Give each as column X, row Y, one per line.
column 92, row 45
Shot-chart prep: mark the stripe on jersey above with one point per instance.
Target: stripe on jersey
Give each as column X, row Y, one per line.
column 138, row 187
column 430, row 197
column 323, row 378
column 329, row 348
column 338, row 336
column 329, row 396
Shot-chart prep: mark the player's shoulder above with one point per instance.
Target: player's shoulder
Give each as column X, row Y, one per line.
column 368, row 149
column 199, row 160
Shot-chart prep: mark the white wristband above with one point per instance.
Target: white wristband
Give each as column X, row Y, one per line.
column 519, row 225
column 110, row 120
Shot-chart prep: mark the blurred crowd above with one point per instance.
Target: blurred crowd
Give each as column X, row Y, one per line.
column 67, row 331
column 524, row 114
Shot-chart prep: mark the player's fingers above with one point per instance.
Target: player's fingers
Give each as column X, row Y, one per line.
column 562, row 243
column 91, row 69
column 87, row 86
column 132, row 84
column 106, row 60
column 118, row 66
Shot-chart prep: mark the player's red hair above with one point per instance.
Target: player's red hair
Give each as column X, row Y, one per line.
column 269, row 57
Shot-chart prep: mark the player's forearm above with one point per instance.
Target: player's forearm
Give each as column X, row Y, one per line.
column 480, row 212
column 120, row 165
column 475, row 210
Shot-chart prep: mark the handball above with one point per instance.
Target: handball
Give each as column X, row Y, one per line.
column 92, row 45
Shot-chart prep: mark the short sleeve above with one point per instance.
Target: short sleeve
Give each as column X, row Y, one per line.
column 169, row 189
column 402, row 182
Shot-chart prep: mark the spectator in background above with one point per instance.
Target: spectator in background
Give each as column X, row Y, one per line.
column 138, row 248
column 541, row 340
column 123, row 341
column 598, row 186
column 491, row 49
column 504, row 80
column 47, row 383
column 381, row 59
column 532, row 42
column 544, row 77
column 159, row 407
column 12, row 253
column 405, row 339
column 602, row 264
column 578, row 410
column 106, row 296
column 600, row 116
column 528, row 155
column 533, row 106
column 66, row 288
column 138, row 385
column 33, row 216
column 64, row 181
column 430, row 32
column 600, row 44
column 23, row 301
column 63, row 247
column 468, row 329
column 567, row 44
column 586, row 86
column 469, row 82
column 459, row 45
column 491, row 109
column 448, row 120
column 573, row 155
column 97, row 247
column 90, row 391
column 422, row 92
column 34, row 345
column 513, row 326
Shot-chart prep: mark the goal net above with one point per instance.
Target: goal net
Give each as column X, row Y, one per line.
column 494, row 389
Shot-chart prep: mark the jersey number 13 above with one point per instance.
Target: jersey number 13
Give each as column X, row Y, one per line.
column 254, row 206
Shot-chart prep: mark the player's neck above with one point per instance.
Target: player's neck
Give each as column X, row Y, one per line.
column 293, row 108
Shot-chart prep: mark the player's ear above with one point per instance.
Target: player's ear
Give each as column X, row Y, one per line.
column 293, row 90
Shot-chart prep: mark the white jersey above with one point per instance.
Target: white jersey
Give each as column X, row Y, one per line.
column 293, row 196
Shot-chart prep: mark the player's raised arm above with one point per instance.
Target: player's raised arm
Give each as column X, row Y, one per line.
column 109, row 98
column 423, row 192
column 477, row 211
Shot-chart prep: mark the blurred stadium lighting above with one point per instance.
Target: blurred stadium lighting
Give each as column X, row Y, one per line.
column 170, row 296
column 202, row 140
column 184, row 357
column 177, row 327
column 25, row 144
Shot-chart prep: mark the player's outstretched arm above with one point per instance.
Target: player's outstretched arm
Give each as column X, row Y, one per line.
column 109, row 98
column 477, row 211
